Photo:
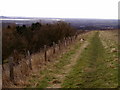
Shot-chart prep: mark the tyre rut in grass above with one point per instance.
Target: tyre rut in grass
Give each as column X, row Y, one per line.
column 88, row 71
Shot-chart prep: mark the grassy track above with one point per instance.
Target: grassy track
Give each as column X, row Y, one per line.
column 95, row 67
column 48, row 74
column 91, row 70
column 53, row 74
column 64, row 60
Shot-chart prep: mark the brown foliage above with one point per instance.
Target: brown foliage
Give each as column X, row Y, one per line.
column 23, row 38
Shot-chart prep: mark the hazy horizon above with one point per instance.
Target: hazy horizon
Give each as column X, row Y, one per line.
column 102, row 9
column 30, row 17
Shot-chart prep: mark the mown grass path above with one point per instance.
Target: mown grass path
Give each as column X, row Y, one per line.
column 91, row 69
column 89, row 64
column 53, row 75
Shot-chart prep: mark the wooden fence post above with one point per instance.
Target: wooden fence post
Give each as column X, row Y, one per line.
column 45, row 50
column 59, row 43
column 74, row 38
column 29, row 57
column 69, row 40
column 53, row 47
column 65, row 42
column 11, row 69
column 3, row 68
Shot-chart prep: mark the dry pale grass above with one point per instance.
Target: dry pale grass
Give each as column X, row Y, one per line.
column 22, row 71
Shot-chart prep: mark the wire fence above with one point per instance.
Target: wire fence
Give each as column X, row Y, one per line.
column 17, row 70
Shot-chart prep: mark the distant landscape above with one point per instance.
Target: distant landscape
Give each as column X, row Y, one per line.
column 59, row 52
column 79, row 23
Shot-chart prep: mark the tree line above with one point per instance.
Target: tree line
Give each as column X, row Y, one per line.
column 33, row 37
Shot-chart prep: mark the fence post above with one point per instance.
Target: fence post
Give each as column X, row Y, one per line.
column 65, row 42
column 53, row 47
column 3, row 68
column 29, row 57
column 69, row 40
column 73, row 38
column 11, row 69
column 76, row 36
column 59, row 44
column 45, row 50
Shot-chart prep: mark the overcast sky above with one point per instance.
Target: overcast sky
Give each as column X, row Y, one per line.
column 102, row 9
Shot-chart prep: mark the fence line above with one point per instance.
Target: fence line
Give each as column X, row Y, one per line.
column 55, row 48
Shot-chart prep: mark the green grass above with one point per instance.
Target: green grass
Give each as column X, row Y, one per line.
column 48, row 74
column 91, row 70
column 64, row 60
